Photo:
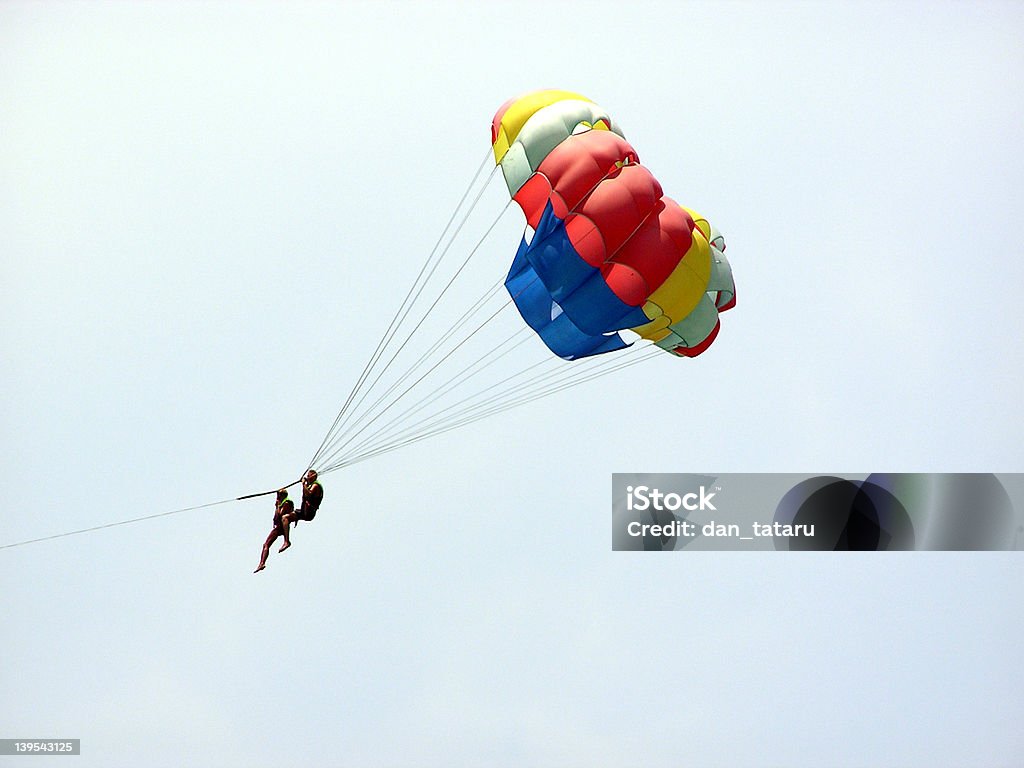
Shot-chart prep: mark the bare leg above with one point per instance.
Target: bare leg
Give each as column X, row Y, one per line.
column 274, row 533
column 286, row 523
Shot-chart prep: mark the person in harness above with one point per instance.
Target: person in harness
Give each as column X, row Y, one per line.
column 284, row 515
column 312, row 496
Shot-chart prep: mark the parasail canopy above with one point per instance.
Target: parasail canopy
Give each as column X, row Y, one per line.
column 605, row 250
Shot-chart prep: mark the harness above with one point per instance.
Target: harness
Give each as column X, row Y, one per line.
column 311, row 503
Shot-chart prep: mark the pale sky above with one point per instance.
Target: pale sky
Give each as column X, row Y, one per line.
column 210, row 212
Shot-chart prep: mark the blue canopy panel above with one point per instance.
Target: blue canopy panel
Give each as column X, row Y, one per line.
column 564, row 299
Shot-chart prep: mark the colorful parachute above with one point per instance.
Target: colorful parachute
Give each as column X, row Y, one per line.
column 605, row 249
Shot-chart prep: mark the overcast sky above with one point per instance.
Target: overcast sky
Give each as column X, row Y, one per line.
column 209, row 213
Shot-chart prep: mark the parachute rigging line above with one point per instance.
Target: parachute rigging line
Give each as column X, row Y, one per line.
column 452, row 383
column 340, row 429
column 433, row 348
column 497, row 409
column 500, row 404
column 396, row 400
column 398, row 317
column 440, row 391
column 563, row 379
column 406, row 391
column 404, row 307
